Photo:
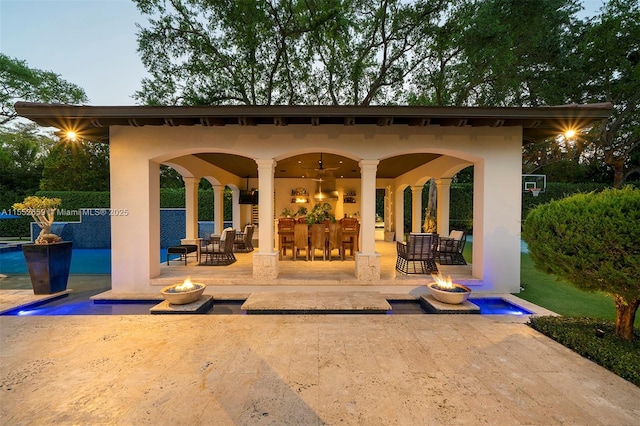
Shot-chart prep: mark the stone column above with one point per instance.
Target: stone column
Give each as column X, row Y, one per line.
column 265, row 260
column 416, row 209
column 367, row 260
column 443, row 187
column 191, row 206
column 399, row 212
column 235, row 209
column 218, row 209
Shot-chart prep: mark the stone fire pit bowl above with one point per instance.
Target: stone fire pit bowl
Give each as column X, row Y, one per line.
column 175, row 297
column 452, row 297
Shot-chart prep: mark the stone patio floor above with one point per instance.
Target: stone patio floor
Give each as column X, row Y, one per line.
column 299, row 370
column 333, row 369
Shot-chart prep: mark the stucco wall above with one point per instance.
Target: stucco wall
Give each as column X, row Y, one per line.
column 136, row 153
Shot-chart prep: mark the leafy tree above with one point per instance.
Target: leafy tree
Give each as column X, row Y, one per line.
column 591, row 240
column 608, row 53
column 371, row 50
column 482, row 54
column 170, row 178
column 76, row 166
column 19, row 82
column 209, row 52
column 23, row 150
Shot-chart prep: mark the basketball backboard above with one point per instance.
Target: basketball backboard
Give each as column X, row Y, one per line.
column 530, row 182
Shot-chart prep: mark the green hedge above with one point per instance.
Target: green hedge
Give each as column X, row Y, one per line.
column 557, row 191
column 173, row 198
column 594, row 339
column 75, row 200
column 460, row 216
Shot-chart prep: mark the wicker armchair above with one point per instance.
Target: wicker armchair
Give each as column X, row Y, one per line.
column 450, row 249
column 244, row 239
column 221, row 253
column 418, row 255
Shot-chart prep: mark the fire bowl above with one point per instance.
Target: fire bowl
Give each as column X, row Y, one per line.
column 457, row 295
column 176, row 297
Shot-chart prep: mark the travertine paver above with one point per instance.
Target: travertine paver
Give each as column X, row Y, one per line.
column 310, row 301
column 324, row 369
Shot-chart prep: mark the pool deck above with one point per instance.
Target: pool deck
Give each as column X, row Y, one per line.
column 300, row 370
column 353, row 369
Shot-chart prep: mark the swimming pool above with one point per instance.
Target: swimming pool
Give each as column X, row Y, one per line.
column 83, row 261
column 498, row 306
column 74, row 305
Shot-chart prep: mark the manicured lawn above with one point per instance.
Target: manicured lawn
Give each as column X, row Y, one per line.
column 559, row 296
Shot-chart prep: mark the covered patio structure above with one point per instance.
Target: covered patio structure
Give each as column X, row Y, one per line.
column 274, row 149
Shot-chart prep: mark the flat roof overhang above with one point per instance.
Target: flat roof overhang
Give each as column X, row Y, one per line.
column 93, row 122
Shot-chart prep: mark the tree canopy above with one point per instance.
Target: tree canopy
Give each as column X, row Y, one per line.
column 608, row 56
column 439, row 52
column 353, row 52
column 20, row 82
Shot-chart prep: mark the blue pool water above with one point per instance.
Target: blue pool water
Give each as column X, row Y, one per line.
column 66, row 306
column 498, row 306
column 83, row 261
column 82, row 306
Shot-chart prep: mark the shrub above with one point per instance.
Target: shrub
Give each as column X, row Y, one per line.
column 591, row 240
column 594, row 339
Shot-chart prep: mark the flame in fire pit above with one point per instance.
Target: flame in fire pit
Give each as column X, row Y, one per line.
column 443, row 283
column 187, row 285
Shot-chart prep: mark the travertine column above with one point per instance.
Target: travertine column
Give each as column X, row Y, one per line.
column 416, row 209
column 218, row 209
column 191, row 206
column 367, row 260
column 443, row 186
column 265, row 261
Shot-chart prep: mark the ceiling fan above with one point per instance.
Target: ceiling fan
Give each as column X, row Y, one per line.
column 321, row 170
column 324, row 174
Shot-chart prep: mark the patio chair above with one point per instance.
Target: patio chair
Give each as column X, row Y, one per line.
column 243, row 240
column 317, row 240
column 285, row 235
column 300, row 239
column 450, row 249
column 418, row 255
column 350, row 228
column 219, row 254
column 335, row 240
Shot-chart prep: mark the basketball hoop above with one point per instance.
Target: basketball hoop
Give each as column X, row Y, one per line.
column 535, row 191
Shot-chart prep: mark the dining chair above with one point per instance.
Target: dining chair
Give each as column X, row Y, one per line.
column 318, row 240
column 300, row 239
column 350, row 233
column 335, row 240
column 285, row 235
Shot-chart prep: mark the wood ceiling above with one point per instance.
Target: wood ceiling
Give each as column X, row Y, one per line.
column 303, row 166
column 93, row 123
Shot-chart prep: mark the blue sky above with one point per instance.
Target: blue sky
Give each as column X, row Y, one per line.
column 91, row 43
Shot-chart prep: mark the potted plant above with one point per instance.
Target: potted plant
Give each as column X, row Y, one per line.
column 302, row 212
column 286, row 212
column 319, row 213
column 48, row 259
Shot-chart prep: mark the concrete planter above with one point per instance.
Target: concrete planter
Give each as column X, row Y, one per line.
column 48, row 266
column 389, row 235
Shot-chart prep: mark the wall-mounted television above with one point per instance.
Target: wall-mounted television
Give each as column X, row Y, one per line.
column 248, row 197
